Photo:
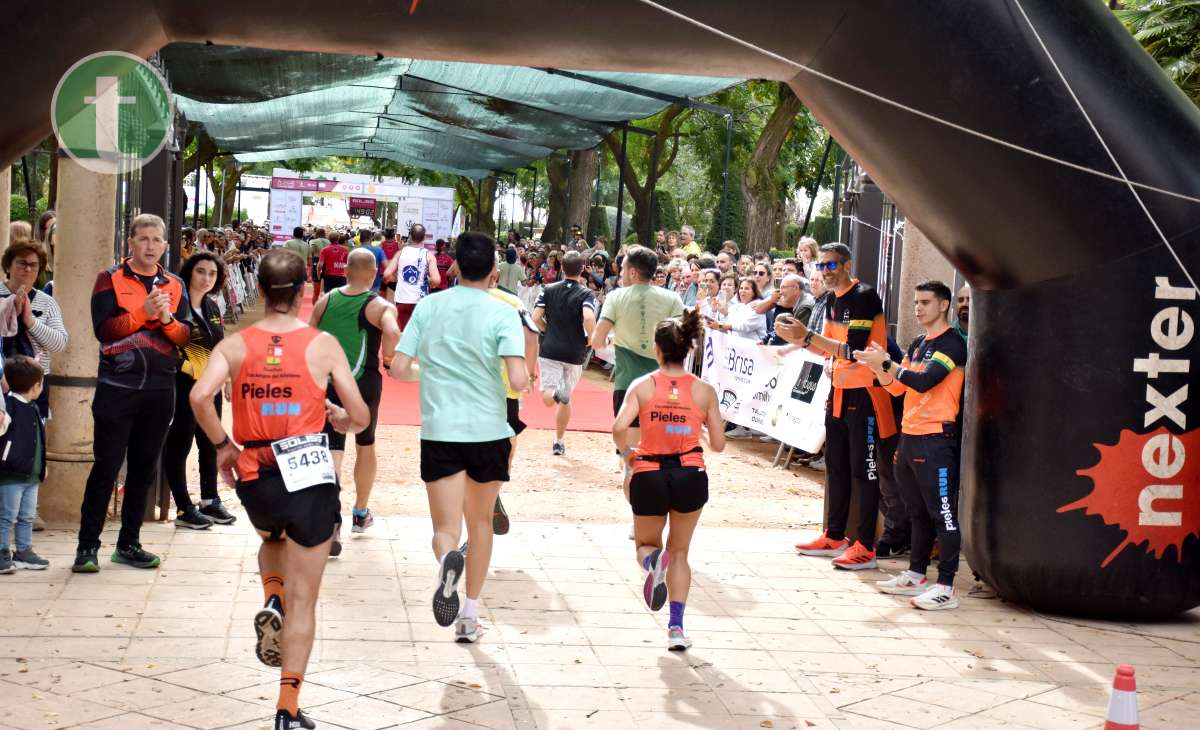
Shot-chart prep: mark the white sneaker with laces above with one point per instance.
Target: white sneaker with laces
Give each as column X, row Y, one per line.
column 741, row 432
column 937, row 598
column 904, row 584
column 817, row 463
column 677, row 640
column 467, row 630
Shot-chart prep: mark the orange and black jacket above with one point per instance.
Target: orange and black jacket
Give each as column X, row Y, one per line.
column 855, row 318
column 931, row 380
column 136, row 351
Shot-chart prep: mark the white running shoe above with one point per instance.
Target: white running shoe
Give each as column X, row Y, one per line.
column 467, row 630
column 677, row 640
column 904, row 584
column 741, row 432
column 817, row 463
column 768, row 439
column 937, row 598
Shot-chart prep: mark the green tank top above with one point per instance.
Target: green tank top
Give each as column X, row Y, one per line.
column 345, row 318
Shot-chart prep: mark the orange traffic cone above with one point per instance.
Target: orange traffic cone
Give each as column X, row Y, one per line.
column 1122, row 706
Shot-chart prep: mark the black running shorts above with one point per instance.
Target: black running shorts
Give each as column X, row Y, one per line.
column 307, row 517
column 485, row 461
column 329, row 283
column 618, row 399
column 514, row 416
column 370, row 386
column 655, row 493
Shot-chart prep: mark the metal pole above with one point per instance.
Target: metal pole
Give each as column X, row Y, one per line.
column 725, row 173
column 837, row 196
column 621, row 185
column 221, row 202
column 533, row 203
column 816, row 186
column 479, row 206
column 238, row 205
column 28, row 188
column 570, row 173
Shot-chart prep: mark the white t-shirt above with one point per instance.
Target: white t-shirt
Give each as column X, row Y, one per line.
column 412, row 274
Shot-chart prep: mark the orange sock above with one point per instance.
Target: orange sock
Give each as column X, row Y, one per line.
column 289, row 692
column 272, row 586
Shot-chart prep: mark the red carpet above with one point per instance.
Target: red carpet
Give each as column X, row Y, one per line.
column 591, row 404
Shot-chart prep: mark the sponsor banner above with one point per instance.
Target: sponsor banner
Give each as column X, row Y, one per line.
column 797, row 406
column 287, row 208
column 781, row 396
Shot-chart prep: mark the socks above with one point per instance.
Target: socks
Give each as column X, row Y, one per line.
column 676, row 615
column 206, row 502
column 355, row 511
column 272, row 586
column 289, row 692
column 470, row 608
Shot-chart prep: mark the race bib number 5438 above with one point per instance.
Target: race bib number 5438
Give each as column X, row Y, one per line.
column 304, row 461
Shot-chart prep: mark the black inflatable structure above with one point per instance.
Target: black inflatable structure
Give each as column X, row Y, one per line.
column 1006, row 130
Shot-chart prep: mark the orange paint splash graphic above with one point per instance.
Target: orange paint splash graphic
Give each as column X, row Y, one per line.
column 1149, row 486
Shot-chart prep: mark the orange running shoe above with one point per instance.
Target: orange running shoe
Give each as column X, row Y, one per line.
column 823, row 547
column 858, row 557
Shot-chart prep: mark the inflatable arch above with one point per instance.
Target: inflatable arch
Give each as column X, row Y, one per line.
column 1033, row 141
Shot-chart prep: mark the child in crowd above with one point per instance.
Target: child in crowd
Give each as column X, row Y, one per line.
column 22, row 463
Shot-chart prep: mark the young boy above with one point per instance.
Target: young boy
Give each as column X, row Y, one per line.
column 22, row 463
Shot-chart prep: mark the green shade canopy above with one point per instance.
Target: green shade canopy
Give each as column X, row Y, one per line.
column 464, row 118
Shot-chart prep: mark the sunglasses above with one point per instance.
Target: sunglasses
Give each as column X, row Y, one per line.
column 827, row 266
column 760, row 272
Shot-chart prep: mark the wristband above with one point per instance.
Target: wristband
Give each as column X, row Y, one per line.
column 886, row 365
column 808, row 338
column 225, row 442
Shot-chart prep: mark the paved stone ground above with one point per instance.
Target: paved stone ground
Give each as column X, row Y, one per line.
column 780, row 642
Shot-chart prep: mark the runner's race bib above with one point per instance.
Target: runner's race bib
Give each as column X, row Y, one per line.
column 304, row 461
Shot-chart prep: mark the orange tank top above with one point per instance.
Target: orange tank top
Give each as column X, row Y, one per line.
column 670, row 424
column 274, row 395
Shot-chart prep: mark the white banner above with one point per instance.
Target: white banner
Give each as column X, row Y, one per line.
column 286, row 210
column 781, row 396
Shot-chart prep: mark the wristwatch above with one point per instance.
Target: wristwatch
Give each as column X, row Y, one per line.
column 808, row 338
column 887, row 365
column 224, row 442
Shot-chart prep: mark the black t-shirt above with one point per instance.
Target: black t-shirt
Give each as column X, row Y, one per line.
column 564, row 339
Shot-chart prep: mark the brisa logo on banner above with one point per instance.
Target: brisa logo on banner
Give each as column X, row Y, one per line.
column 781, row 396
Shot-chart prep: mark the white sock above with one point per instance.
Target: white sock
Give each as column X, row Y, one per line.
column 917, row 577
column 470, row 608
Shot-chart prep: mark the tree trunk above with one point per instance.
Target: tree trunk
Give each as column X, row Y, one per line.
column 556, row 210
column 487, row 191
column 231, row 172
column 663, row 149
column 763, row 206
column 584, row 164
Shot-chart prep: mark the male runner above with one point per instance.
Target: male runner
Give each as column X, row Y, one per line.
column 631, row 313
column 332, row 263
column 360, row 320
column 500, row 520
column 415, row 271
column 284, row 473
column 931, row 380
column 566, row 310
column 315, row 246
column 465, row 438
column 390, row 247
column 859, row 416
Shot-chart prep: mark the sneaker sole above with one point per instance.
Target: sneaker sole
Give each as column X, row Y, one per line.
column 467, row 638
column 361, row 528
column 914, row 591
column 500, row 522
column 655, row 588
column 9, row 570
column 192, row 525
column 952, row 603
column 858, row 566
column 116, row 558
column 821, row 553
column 679, row 645
column 268, row 626
column 85, row 568
column 20, row 565
column 445, row 599
column 221, row 521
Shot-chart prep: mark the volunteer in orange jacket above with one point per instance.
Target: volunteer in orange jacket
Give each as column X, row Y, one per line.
column 140, row 314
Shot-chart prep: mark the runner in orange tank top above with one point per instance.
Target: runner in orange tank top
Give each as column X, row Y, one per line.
column 669, row 484
column 284, row 471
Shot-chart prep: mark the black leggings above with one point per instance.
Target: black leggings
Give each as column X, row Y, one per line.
column 927, row 474
column 179, row 444
column 129, row 423
column 852, row 452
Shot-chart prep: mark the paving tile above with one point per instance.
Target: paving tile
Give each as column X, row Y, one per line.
column 905, row 712
column 52, row 712
column 437, row 698
column 365, row 713
column 207, row 711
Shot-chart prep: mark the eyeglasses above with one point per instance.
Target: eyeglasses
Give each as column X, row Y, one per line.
column 27, row 265
column 827, row 266
column 761, row 272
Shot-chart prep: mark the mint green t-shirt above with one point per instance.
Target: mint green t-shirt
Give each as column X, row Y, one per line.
column 457, row 336
column 634, row 312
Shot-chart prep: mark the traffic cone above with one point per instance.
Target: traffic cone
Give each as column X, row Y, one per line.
column 1122, row 706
